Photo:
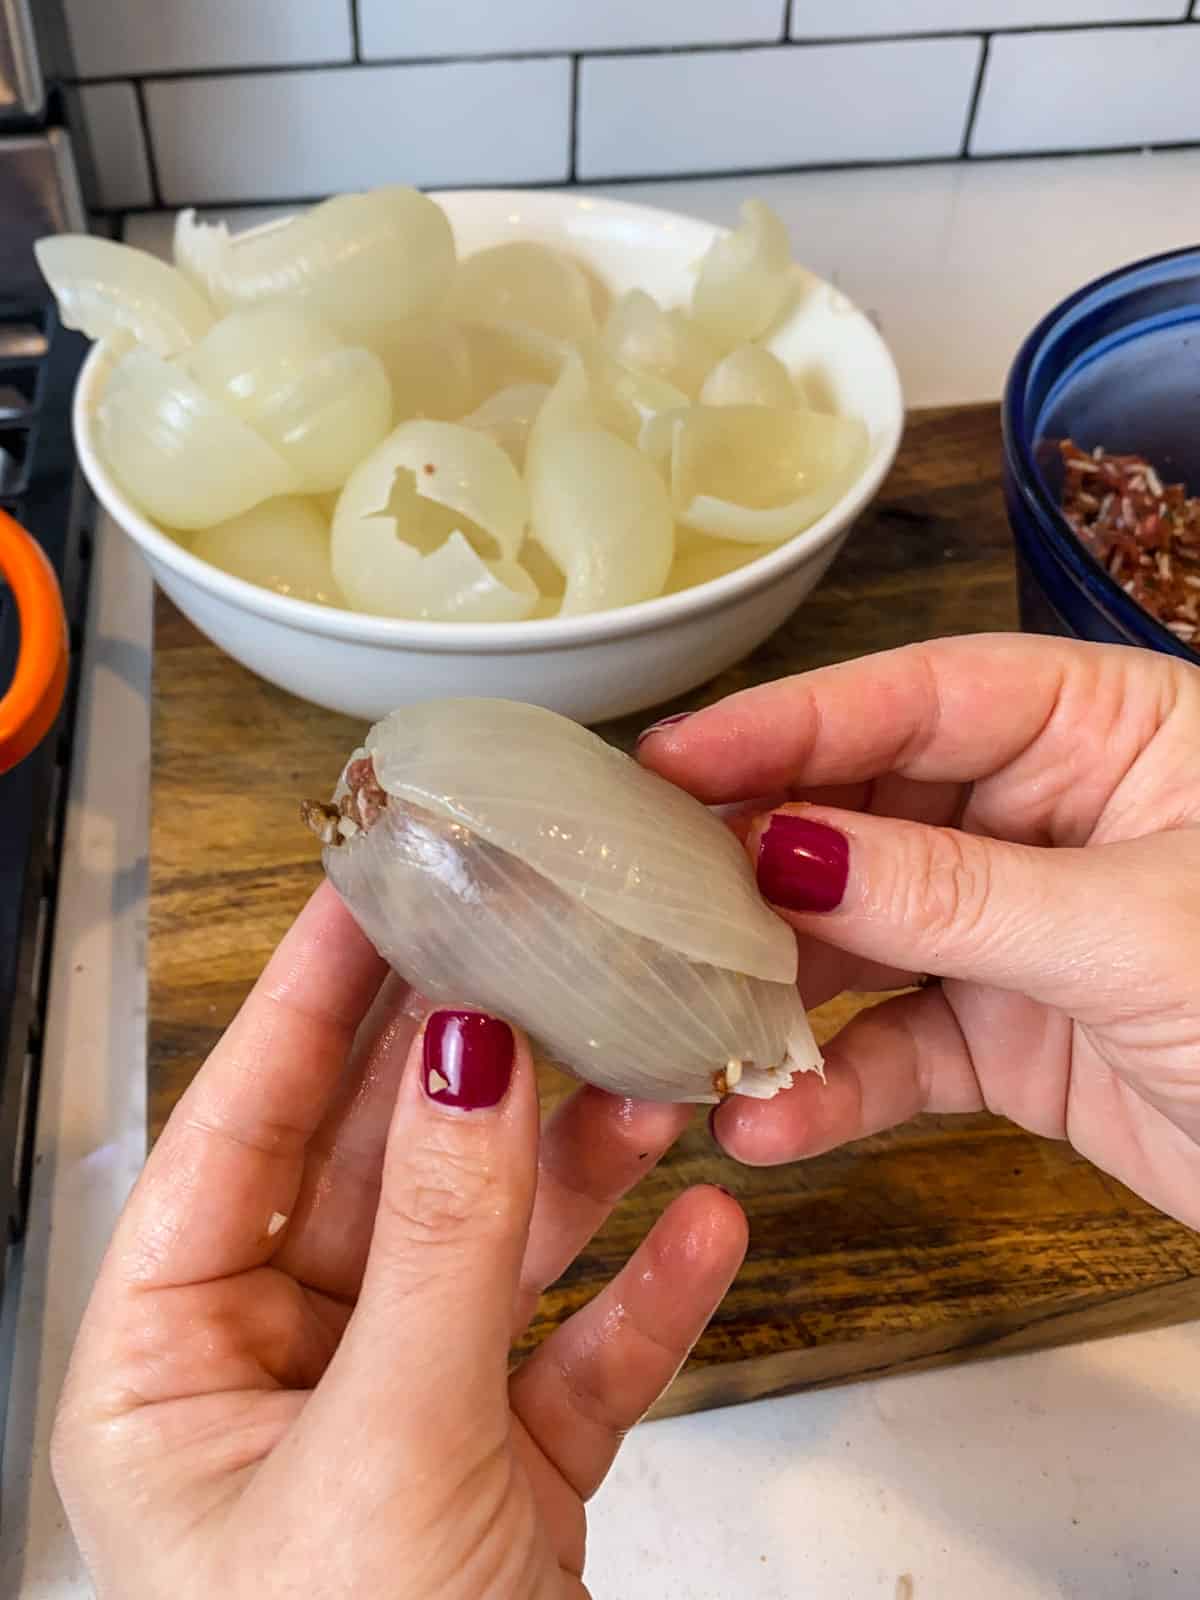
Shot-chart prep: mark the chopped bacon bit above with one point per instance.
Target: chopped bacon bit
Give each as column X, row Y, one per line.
column 1146, row 534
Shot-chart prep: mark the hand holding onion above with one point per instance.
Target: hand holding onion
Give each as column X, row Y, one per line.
column 1019, row 818
column 340, row 1228
column 292, row 1376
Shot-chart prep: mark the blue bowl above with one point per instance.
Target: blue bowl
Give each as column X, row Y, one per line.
column 1116, row 365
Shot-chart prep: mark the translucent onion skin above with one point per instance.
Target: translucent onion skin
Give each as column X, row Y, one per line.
column 700, row 560
column 104, row 288
column 362, row 262
column 508, row 416
column 428, row 362
column 582, row 814
column 465, row 916
column 744, row 277
column 664, row 344
column 603, row 515
column 281, row 545
column 381, row 575
column 526, row 284
column 458, row 476
column 760, row 474
column 320, row 404
column 177, row 453
column 749, row 376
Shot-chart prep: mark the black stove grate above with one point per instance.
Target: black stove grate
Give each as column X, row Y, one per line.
column 40, row 487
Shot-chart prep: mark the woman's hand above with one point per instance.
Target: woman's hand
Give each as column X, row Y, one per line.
column 292, row 1377
column 1017, row 817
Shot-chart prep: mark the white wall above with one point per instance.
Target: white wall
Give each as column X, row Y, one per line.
column 211, row 101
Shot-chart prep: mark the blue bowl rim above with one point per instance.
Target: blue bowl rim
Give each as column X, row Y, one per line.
column 1030, row 485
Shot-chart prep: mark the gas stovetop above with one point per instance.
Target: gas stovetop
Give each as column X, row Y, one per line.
column 40, row 488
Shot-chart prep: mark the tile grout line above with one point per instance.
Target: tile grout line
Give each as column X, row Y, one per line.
column 618, row 53
column 139, row 95
column 703, row 175
column 976, row 97
column 573, row 125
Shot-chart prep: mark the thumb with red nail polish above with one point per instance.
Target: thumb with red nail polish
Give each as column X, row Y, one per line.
column 906, row 895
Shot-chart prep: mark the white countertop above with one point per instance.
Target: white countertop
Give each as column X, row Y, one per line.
column 1065, row 1474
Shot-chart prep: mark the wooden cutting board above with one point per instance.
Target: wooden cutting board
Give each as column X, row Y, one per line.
column 948, row 1239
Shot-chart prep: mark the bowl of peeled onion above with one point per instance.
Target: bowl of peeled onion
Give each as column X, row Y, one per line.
column 537, row 446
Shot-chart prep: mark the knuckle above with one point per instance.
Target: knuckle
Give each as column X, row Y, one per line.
column 443, row 1193
column 947, row 886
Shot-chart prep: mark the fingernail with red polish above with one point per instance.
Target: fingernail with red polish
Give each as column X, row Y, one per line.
column 667, row 722
column 467, row 1059
column 802, row 865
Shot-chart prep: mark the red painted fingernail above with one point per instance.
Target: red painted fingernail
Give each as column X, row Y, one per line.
column 467, row 1059
column 667, row 722
column 802, row 865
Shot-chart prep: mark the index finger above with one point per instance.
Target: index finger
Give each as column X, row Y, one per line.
column 222, row 1181
column 947, row 711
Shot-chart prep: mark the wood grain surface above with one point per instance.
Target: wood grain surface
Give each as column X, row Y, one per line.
column 948, row 1239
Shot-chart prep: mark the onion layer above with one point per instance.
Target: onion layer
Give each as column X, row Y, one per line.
column 104, row 288
column 362, row 262
column 281, row 545
column 496, row 853
column 761, row 475
column 181, row 457
column 744, row 278
column 319, row 403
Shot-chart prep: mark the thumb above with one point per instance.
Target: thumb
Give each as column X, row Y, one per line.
column 425, row 1356
column 1064, row 926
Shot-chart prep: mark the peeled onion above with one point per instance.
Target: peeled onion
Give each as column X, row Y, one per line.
column 428, row 361
column 104, row 288
column 666, row 344
column 500, row 855
column 603, row 515
column 428, row 479
column 383, row 575
column 508, row 417
column 630, row 402
column 321, row 404
column 744, row 278
column 526, row 284
column 749, row 376
column 362, row 262
column 502, row 356
column 179, row 455
column 546, row 574
column 758, row 474
column 569, row 403
column 552, row 451
column 281, row 545
column 700, row 560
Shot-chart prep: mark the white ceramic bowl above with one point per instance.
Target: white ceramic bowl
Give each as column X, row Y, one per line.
column 589, row 667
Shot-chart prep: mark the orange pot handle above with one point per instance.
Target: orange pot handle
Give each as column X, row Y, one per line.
column 28, row 710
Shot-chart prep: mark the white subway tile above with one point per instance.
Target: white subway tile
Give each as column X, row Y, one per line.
column 832, row 19
column 273, row 135
column 724, row 110
column 115, row 38
column 480, row 27
column 1101, row 89
column 116, row 147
